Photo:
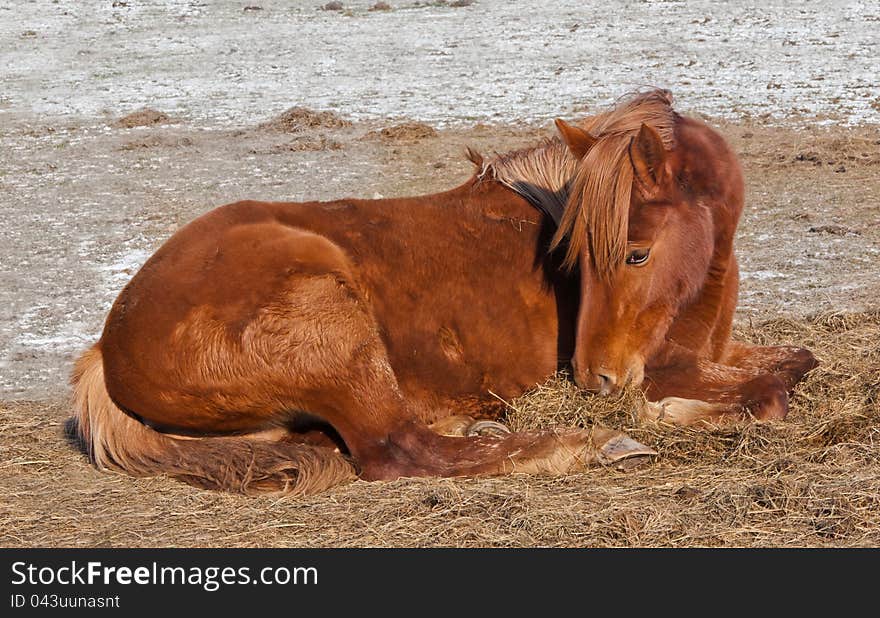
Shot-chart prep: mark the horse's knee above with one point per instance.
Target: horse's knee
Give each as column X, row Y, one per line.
column 766, row 397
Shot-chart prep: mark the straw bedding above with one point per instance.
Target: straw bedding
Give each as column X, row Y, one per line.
column 811, row 480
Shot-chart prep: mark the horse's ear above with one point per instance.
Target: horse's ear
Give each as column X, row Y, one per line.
column 474, row 157
column 648, row 156
column 577, row 140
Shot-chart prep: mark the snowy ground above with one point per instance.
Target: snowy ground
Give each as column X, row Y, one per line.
column 220, row 64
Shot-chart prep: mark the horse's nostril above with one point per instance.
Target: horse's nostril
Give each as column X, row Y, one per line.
column 607, row 382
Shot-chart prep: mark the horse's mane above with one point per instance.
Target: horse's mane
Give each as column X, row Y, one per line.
column 539, row 173
column 589, row 199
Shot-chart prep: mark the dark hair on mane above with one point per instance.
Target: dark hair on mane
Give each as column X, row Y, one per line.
column 597, row 211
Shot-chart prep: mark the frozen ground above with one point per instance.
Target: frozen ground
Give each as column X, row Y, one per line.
column 84, row 203
column 220, row 64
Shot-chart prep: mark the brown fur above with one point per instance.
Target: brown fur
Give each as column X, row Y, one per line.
column 262, row 337
column 668, row 188
column 599, row 200
column 246, row 321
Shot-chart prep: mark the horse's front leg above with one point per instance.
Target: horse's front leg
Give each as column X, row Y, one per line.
column 683, row 389
column 788, row 363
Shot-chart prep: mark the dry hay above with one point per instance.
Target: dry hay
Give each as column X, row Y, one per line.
column 298, row 119
column 407, row 131
column 811, row 480
column 145, row 117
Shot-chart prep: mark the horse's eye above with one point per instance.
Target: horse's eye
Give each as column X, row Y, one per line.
column 638, row 257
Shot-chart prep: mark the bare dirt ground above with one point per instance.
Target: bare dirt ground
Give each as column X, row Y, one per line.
column 98, row 201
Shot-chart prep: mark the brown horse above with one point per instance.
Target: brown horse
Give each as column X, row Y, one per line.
column 290, row 346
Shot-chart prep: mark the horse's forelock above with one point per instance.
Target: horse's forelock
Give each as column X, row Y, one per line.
column 597, row 213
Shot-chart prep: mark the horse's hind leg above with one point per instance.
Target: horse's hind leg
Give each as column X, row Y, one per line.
column 461, row 425
column 468, row 416
column 331, row 362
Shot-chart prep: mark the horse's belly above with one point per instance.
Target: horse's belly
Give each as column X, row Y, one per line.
column 474, row 350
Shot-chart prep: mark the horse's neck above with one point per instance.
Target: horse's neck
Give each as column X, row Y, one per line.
column 540, row 174
column 484, row 196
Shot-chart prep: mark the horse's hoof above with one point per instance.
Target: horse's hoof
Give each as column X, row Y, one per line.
column 455, row 426
column 681, row 411
column 487, row 428
column 634, row 462
column 621, row 448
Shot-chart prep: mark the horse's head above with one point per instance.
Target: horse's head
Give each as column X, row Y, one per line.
column 642, row 246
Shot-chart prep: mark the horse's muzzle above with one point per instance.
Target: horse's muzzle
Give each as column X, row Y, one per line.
column 603, row 381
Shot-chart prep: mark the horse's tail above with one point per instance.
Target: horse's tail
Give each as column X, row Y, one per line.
column 117, row 441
